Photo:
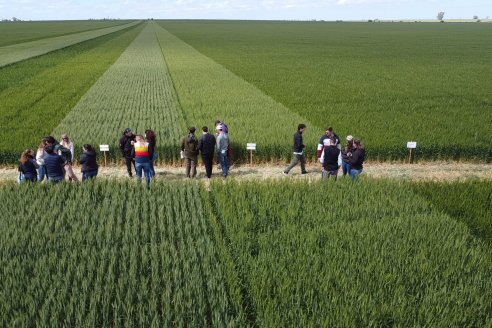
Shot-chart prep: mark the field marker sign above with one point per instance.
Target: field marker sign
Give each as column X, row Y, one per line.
column 250, row 147
column 104, row 149
column 411, row 145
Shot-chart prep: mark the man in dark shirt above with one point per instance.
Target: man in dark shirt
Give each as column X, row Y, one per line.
column 126, row 146
column 206, row 146
column 298, row 151
column 332, row 159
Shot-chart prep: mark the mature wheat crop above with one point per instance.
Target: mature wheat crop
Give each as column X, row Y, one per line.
column 21, row 51
column 371, row 254
column 137, row 92
column 386, row 83
column 110, row 254
column 33, row 102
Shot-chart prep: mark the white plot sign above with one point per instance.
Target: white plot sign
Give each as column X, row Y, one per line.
column 412, row 144
column 251, row 146
column 104, row 149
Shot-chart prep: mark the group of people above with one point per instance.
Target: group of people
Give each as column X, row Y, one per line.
column 53, row 161
column 330, row 154
column 140, row 151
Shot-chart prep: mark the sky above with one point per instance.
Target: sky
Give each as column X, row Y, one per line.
column 243, row 9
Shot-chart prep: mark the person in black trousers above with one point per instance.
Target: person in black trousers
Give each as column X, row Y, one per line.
column 206, row 146
column 298, row 151
column 126, row 146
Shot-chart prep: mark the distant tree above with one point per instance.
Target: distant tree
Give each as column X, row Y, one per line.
column 440, row 15
column 475, row 17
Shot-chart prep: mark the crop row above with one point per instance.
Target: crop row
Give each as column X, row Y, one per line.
column 238, row 254
column 36, row 94
column 207, row 91
column 385, row 83
column 349, row 255
column 110, row 254
column 22, row 51
column 137, row 92
column 34, row 30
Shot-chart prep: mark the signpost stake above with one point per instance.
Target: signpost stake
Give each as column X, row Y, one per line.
column 251, row 147
column 104, row 149
column 411, row 145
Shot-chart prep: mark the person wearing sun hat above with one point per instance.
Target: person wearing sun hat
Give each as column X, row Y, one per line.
column 126, row 146
column 345, row 158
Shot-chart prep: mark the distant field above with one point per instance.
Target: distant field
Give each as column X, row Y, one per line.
column 17, row 32
column 386, row 83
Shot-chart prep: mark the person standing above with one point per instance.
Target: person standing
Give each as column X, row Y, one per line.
column 151, row 139
column 54, row 164
column 40, row 154
column 88, row 161
column 298, row 151
column 126, row 146
column 28, row 166
column 189, row 147
column 206, row 146
column 142, row 155
column 356, row 159
column 65, row 142
column 222, row 147
column 332, row 159
column 328, row 135
column 345, row 158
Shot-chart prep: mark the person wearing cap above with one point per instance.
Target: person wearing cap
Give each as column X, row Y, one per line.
column 126, row 146
column 331, row 160
column 345, row 158
column 189, row 147
column 356, row 159
column 65, row 142
column 218, row 124
column 206, row 146
column 328, row 134
column 222, row 147
column 298, row 151
column 142, row 155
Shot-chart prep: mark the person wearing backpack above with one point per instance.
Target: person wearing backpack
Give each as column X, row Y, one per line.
column 189, row 147
column 28, row 166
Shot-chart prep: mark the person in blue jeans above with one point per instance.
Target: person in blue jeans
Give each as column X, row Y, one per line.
column 356, row 159
column 222, row 146
column 28, row 166
column 345, row 158
column 88, row 162
column 40, row 154
column 151, row 139
column 142, row 155
column 54, row 164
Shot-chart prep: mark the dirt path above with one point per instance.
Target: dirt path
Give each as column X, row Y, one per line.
column 442, row 171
